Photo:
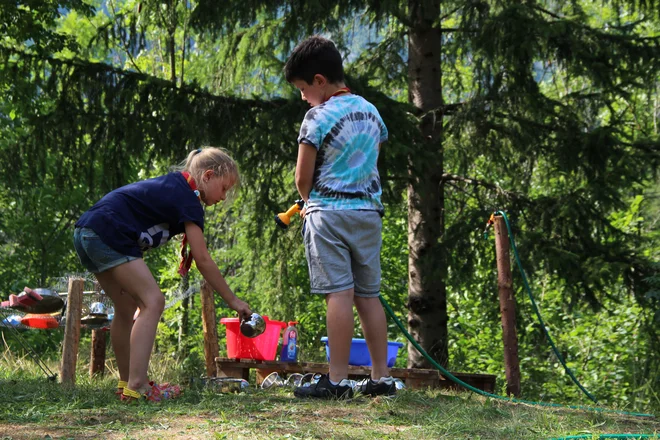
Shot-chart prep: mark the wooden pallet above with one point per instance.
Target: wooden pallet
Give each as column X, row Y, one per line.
column 415, row 378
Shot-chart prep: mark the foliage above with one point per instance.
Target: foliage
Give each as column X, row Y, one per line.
column 549, row 110
column 31, row 24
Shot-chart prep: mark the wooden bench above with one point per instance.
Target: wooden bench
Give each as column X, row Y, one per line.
column 415, row 378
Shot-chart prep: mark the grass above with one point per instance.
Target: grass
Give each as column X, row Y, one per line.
column 32, row 407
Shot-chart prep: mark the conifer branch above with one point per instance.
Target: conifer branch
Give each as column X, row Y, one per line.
column 141, row 76
column 402, row 17
column 447, row 178
column 545, row 11
column 445, row 109
column 456, row 30
column 450, row 13
column 599, row 32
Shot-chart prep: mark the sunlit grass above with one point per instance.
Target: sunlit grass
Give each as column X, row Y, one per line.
column 32, row 407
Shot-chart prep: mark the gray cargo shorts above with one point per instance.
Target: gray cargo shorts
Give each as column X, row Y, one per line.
column 343, row 251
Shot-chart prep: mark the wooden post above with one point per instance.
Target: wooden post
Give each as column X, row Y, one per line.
column 97, row 356
column 72, row 331
column 507, row 307
column 210, row 328
column 97, row 361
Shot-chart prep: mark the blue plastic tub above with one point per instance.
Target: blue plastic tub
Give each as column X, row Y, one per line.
column 360, row 353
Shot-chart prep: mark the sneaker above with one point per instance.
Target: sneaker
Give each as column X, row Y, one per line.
column 323, row 389
column 384, row 387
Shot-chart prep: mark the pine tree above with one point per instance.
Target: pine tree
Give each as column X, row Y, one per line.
column 530, row 106
column 524, row 105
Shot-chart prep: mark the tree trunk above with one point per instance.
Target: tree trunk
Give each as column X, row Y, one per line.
column 427, row 301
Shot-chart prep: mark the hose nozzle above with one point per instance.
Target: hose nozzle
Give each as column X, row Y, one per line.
column 284, row 218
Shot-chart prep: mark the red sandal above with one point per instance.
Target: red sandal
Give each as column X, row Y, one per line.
column 154, row 393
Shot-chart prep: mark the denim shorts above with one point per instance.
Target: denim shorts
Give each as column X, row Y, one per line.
column 95, row 255
column 343, row 251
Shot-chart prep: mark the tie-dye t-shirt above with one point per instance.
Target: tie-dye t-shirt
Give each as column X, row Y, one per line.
column 346, row 131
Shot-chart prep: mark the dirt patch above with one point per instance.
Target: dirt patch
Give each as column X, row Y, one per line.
column 336, row 423
column 18, row 432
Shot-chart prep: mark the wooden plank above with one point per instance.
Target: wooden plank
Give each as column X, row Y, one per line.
column 72, row 331
column 237, row 372
column 417, row 383
column 209, row 328
column 415, row 378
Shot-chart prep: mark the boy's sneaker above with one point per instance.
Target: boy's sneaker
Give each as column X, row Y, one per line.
column 384, row 387
column 323, row 389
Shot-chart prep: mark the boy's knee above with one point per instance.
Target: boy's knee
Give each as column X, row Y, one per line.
column 343, row 295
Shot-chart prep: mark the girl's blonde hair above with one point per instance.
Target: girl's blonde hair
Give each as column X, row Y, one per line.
column 210, row 158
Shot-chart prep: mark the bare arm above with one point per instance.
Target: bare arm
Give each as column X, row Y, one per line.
column 210, row 271
column 305, row 169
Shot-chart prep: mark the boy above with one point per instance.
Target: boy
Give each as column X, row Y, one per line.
column 337, row 177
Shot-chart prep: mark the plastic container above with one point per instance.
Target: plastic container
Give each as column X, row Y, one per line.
column 40, row 321
column 262, row 347
column 360, row 353
column 289, row 351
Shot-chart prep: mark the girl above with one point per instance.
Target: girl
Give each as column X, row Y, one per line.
column 111, row 237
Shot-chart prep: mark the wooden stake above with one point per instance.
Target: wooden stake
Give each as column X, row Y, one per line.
column 507, row 307
column 97, row 356
column 72, row 331
column 210, row 328
column 97, row 362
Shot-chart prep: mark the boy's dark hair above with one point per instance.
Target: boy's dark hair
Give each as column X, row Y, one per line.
column 315, row 55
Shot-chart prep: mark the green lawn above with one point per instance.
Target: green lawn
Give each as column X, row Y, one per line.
column 33, row 408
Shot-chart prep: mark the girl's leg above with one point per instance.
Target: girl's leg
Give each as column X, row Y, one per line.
column 135, row 278
column 339, row 321
column 374, row 327
column 122, row 323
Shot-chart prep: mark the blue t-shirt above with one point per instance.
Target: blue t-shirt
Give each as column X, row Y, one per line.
column 144, row 215
column 346, row 131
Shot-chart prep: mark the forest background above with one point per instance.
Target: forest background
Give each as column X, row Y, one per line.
column 547, row 110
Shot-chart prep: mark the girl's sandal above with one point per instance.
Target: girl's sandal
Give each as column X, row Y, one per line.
column 120, row 387
column 154, row 393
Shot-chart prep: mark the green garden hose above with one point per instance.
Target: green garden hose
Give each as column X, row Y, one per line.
column 457, row 381
column 606, row 436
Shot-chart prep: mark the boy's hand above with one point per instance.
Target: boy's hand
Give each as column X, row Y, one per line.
column 242, row 308
column 302, row 213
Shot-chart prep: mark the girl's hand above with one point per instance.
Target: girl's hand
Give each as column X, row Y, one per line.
column 242, row 308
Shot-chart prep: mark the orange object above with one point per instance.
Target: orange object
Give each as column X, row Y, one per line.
column 263, row 347
column 40, row 321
